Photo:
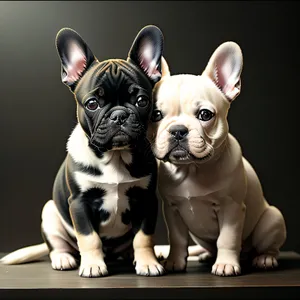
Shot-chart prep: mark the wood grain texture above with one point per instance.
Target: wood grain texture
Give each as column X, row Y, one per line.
column 38, row 281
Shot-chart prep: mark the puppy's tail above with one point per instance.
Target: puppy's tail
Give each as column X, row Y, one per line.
column 26, row 254
column 162, row 251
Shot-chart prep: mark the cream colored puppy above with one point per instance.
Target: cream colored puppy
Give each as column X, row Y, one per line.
column 209, row 190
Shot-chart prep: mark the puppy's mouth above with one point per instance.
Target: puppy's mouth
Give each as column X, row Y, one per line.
column 120, row 140
column 180, row 155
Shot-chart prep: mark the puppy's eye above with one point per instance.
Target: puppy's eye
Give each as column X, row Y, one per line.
column 91, row 104
column 205, row 115
column 156, row 115
column 142, row 101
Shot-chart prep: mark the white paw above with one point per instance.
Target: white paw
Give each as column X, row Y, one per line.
column 92, row 265
column 149, row 268
column 93, row 270
column 226, row 269
column 204, row 256
column 63, row 261
column 265, row 261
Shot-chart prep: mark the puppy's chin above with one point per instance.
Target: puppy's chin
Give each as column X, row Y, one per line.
column 181, row 156
column 178, row 156
column 120, row 141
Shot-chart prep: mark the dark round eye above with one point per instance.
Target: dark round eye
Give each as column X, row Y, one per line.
column 92, row 104
column 156, row 115
column 142, row 101
column 205, row 115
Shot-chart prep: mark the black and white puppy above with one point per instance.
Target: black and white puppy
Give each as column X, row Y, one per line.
column 104, row 203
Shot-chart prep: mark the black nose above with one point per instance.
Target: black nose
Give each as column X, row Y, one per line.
column 178, row 131
column 119, row 116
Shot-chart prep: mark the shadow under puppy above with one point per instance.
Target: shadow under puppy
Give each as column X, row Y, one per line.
column 209, row 190
column 104, row 203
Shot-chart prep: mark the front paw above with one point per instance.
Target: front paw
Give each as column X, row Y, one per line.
column 146, row 264
column 63, row 261
column 148, row 268
column 176, row 260
column 226, row 269
column 227, row 263
column 175, row 264
column 92, row 265
column 265, row 261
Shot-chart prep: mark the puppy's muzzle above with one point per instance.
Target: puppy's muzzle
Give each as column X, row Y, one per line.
column 178, row 132
column 119, row 116
column 178, row 147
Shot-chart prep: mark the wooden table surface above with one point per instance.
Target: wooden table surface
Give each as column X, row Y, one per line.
column 38, row 281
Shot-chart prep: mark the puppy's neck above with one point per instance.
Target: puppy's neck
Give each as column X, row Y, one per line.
column 79, row 149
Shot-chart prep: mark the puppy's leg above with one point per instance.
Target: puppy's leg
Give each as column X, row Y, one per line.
column 268, row 236
column 58, row 240
column 146, row 263
column 178, row 236
column 145, row 260
column 231, row 218
column 89, row 243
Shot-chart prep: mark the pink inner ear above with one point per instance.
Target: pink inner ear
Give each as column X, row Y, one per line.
column 76, row 64
column 147, row 60
column 226, row 76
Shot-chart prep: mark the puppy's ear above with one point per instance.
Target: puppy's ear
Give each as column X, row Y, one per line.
column 146, row 52
column 224, row 69
column 165, row 71
column 76, row 57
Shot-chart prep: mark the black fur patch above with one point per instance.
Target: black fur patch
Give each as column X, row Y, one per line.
column 103, row 215
column 94, row 198
column 126, row 217
column 85, row 210
column 88, row 169
column 98, row 152
column 143, row 206
column 143, row 162
column 61, row 192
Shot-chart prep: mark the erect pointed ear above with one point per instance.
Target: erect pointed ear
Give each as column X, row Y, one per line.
column 76, row 57
column 146, row 52
column 165, row 71
column 224, row 69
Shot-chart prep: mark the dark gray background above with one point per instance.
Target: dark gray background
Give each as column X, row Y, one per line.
column 38, row 111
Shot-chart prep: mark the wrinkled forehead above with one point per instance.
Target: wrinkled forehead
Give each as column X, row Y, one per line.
column 186, row 93
column 113, row 76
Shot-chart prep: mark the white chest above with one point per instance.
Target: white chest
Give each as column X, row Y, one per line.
column 195, row 198
column 115, row 180
column 186, row 182
column 115, row 200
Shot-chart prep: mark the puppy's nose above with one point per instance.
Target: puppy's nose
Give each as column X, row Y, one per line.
column 119, row 116
column 178, row 131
